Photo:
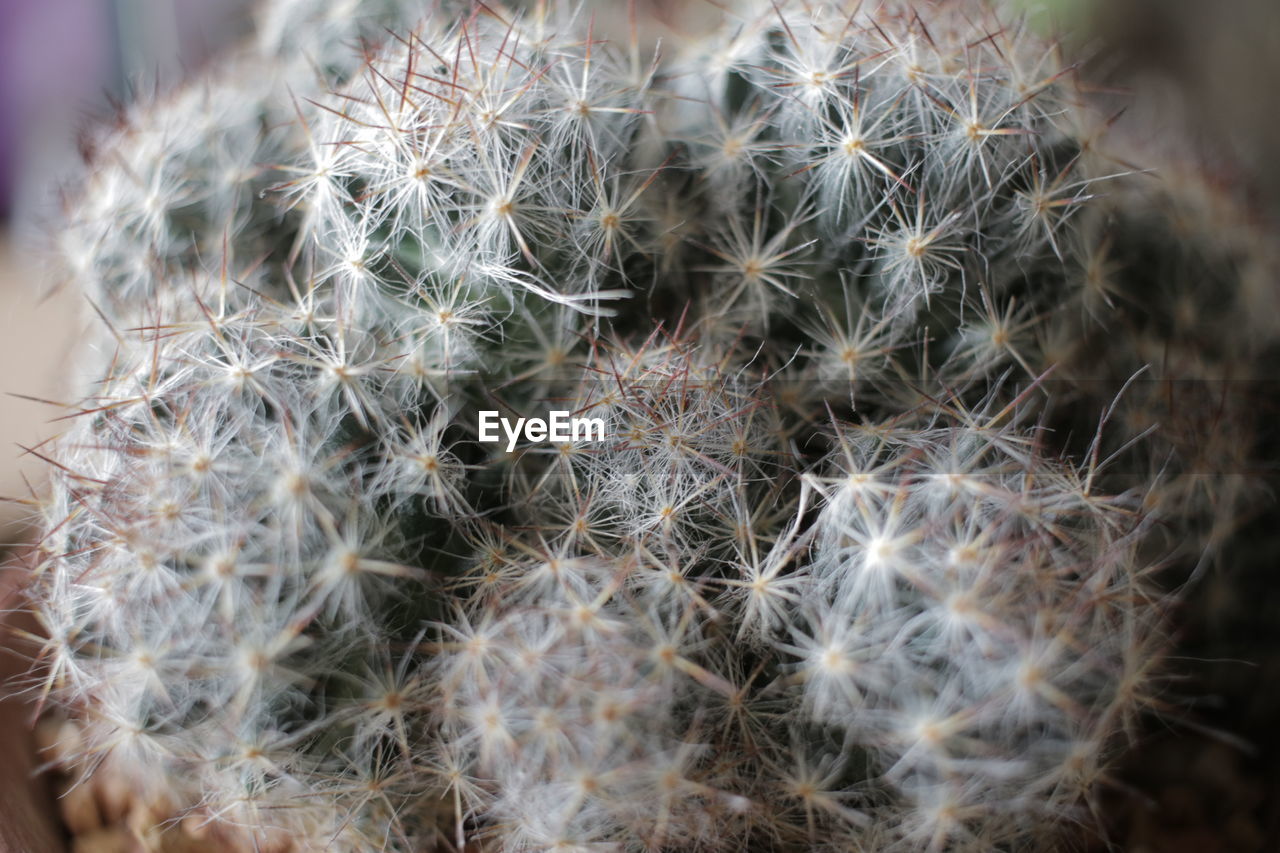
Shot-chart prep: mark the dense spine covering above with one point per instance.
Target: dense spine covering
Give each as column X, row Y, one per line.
column 286, row 591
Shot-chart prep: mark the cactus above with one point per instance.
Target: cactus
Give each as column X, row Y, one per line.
column 825, row 583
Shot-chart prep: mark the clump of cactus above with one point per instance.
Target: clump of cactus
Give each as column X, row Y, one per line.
column 828, row 582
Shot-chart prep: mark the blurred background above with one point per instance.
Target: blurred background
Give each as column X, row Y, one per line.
column 63, row 64
column 1199, row 81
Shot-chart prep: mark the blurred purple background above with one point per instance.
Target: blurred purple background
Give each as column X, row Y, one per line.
column 61, row 63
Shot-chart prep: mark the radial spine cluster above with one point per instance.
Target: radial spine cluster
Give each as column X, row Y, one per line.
column 829, row 581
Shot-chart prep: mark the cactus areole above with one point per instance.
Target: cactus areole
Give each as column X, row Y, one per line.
column 506, row 435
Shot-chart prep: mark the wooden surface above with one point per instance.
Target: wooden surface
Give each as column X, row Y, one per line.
column 27, row 810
